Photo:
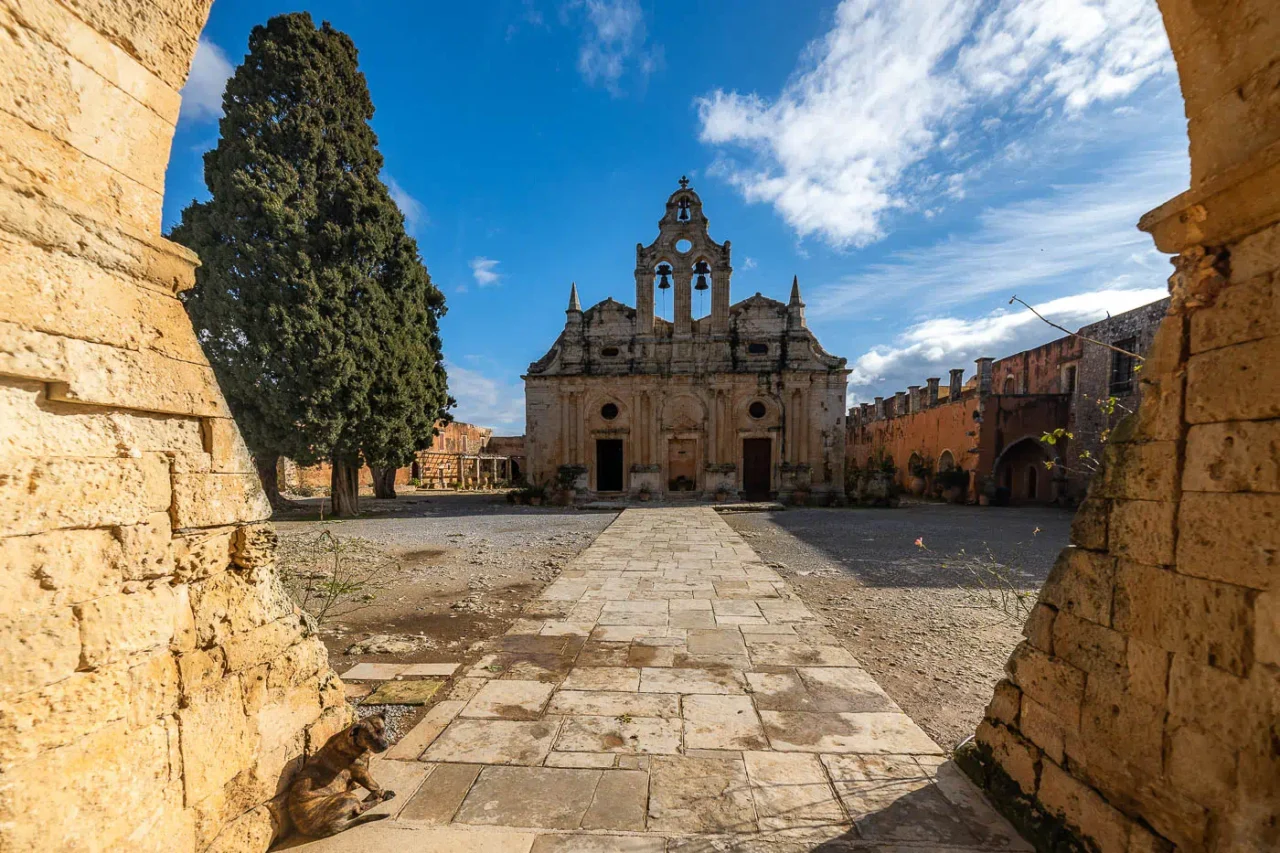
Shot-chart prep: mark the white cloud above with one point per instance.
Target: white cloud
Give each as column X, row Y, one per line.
column 486, row 401
column 202, row 94
column 614, row 39
column 934, row 346
column 1071, row 238
column 485, row 271
column 414, row 213
column 748, row 263
column 893, row 83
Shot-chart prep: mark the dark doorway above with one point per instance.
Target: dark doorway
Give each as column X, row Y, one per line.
column 609, row 465
column 757, row 456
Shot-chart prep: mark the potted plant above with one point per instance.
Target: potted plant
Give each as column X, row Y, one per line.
column 722, row 494
column 644, row 493
column 954, row 484
column 921, row 470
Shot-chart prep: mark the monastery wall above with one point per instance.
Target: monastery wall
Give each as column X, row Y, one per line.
column 157, row 687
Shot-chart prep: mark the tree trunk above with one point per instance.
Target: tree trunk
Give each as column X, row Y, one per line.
column 344, row 488
column 269, row 474
column 384, row 481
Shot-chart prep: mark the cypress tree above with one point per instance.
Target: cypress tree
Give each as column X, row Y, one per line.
column 307, row 278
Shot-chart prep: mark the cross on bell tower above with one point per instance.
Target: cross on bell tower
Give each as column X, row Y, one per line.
column 684, row 182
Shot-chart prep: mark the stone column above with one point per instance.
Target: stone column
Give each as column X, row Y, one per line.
column 644, row 300
column 984, row 376
column 878, row 409
column 683, row 302
column 913, row 399
column 932, row 398
column 720, row 277
column 900, row 404
column 957, row 383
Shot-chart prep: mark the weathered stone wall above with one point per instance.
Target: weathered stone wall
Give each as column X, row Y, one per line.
column 1143, row 710
column 156, row 686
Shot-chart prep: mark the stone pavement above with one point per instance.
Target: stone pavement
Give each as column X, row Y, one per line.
column 670, row 693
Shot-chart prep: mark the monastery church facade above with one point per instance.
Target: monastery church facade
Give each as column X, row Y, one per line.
column 742, row 403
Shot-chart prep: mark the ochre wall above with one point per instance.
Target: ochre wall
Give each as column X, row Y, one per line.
column 156, row 686
column 1143, row 710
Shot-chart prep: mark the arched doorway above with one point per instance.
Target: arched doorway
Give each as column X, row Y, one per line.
column 1020, row 470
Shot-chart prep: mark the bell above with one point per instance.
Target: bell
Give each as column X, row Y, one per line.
column 664, row 282
column 702, row 283
column 701, row 269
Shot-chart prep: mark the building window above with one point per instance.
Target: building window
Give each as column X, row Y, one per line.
column 758, row 349
column 1122, row 364
column 609, row 352
column 609, row 411
column 1069, row 380
column 757, row 410
column 1010, row 385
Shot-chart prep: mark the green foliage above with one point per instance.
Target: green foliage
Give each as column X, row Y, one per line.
column 311, row 301
column 953, row 478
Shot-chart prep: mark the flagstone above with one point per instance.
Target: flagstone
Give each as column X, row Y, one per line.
column 374, row 671
column 509, row 700
column 586, row 760
column 427, row 669
column 872, row 733
column 792, row 654
column 602, row 678
column 421, row 736
column 677, row 680
column 791, row 790
column 716, row 642
column 612, row 704
column 691, row 795
column 620, row 801
column 721, row 722
column 622, row 733
column 495, row 741
column 404, row 692
column 598, row 844
column 541, row 797
column 439, row 796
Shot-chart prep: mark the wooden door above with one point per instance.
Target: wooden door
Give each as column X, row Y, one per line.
column 757, row 460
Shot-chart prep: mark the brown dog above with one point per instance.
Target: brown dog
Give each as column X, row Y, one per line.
column 322, row 799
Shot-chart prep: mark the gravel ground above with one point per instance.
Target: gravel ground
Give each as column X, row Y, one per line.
column 470, row 562
column 926, row 620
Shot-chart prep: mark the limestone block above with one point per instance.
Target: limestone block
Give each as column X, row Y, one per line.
column 1039, row 627
column 198, row 670
column 113, row 793
column 1048, row 680
column 1089, row 525
column 1089, row 646
column 1143, row 531
column 143, row 380
column 200, row 554
column 262, row 644
column 37, row 648
column 153, row 689
column 1238, row 456
column 146, row 552
column 213, row 500
column 255, row 546
column 1266, row 614
column 64, row 711
column 1234, row 383
column 253, row 681
column 60, row 294
column 59, row 568
column 297, row 664
column 1128, row 726
column 1140, row 471
column 1236, row 710
column 1245, row 552
column 1249, row 109
column 184, row 623
column 1081, row 584
column 1016, row 756
column 224, row 444
column 1082, row 808
column 230, row 604
column 255, row 830
column 1248, row 310
column 217, row 739
column 62, row 96
column 1201, row 766
column 114, row 627
column 282, row 720
column 43, row 494
column 1004, row 704
column 1208, row 620
column 49, row 167
column 161, row 35
column 1147, row 671
column 35, row 427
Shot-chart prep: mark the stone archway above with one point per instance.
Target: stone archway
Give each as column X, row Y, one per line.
column 1141, row 712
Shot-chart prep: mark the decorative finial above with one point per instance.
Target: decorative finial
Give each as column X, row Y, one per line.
column 684, row 182
column 574, row 305
column 795, row 290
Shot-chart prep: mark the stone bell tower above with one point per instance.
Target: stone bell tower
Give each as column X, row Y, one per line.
column 683, row 254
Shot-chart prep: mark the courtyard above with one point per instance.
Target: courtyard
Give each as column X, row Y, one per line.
column 670, row 691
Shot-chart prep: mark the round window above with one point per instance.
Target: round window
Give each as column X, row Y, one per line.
column 609, row 352
column 683, row 246
column 757, row 410
column 609, row 411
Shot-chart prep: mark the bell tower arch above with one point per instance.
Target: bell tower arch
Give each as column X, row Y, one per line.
column 683, row 243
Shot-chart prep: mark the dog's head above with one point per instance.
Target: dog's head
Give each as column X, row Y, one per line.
column 371, row 733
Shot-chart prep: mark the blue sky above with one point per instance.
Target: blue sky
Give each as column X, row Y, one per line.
column 915, row 162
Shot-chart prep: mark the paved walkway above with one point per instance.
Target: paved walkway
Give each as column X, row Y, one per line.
column 670, row 693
